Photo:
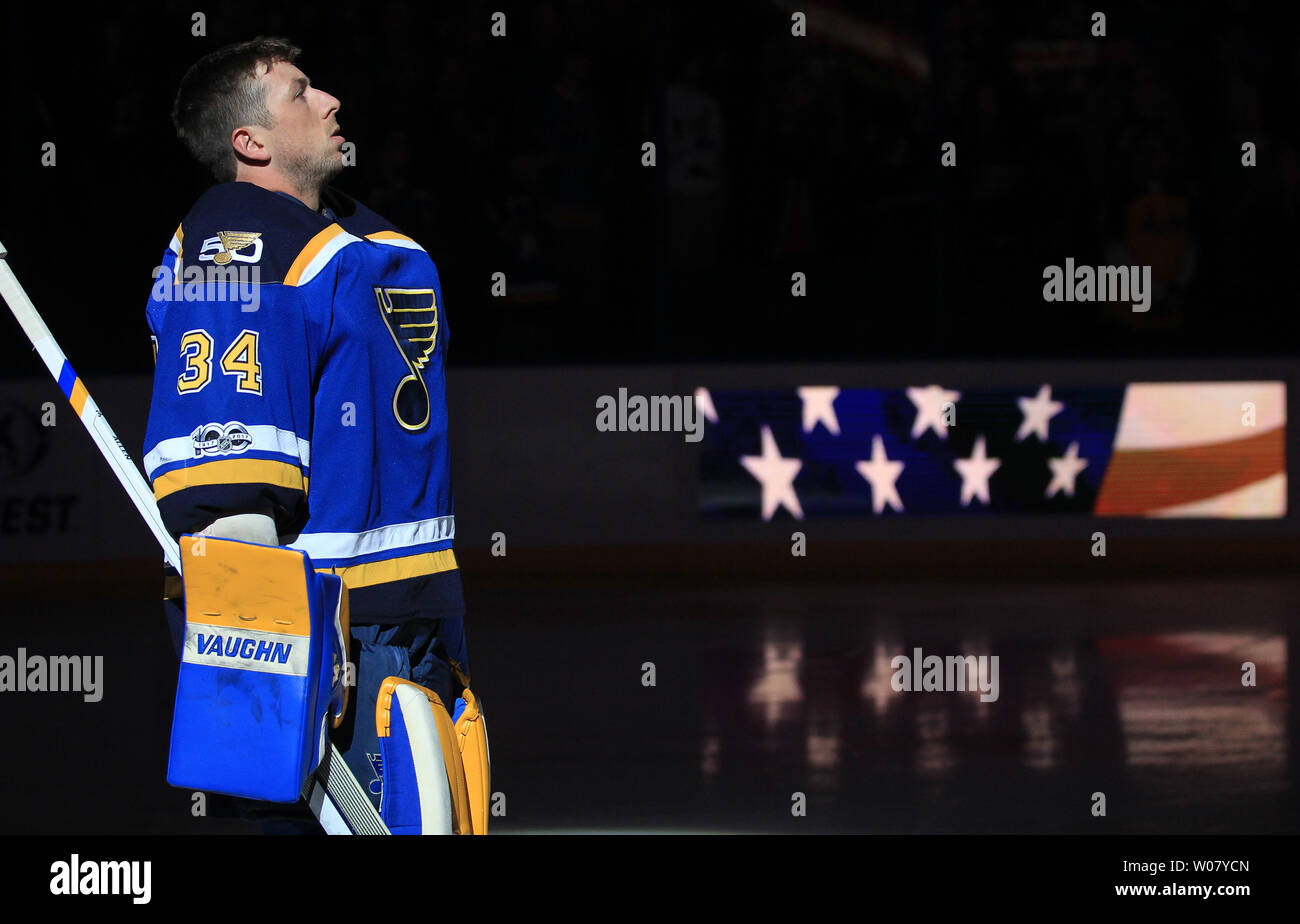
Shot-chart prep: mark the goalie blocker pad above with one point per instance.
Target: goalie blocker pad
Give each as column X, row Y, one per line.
column 435, row 778
column 266, row 639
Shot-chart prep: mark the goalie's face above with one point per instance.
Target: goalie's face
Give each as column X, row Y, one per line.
column 304, row 144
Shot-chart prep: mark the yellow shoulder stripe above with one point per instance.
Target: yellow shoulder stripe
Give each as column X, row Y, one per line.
column 311, row 252
column 389, row 236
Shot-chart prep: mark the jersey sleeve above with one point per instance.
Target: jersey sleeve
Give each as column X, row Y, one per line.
column 164, row 275
column 230, row 417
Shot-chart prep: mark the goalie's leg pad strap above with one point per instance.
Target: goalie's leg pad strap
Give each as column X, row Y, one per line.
column 471, row 737
column 424, row 783
column 261, row 669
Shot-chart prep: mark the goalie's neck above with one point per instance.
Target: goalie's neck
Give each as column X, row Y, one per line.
column 324, row 210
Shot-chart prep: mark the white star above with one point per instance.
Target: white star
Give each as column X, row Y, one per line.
column 704, row 401
column 930, row 404
column 819, row 405
column 1064, row 470
column 776, row 475
column 883, row 476
column 1038, row 411
column 975, row 474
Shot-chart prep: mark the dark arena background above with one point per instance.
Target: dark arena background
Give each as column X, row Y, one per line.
column 968, row 322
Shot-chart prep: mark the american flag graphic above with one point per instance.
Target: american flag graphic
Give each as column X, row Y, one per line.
column 1192, row 449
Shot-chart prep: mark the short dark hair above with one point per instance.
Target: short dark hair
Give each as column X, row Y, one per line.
column 219, row 93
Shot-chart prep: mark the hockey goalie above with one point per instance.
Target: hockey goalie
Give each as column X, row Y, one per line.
column 297, row 445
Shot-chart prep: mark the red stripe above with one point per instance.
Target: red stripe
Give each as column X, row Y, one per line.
column 1141, row 480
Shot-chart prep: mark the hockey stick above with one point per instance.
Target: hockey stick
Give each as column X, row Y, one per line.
column 332, row 792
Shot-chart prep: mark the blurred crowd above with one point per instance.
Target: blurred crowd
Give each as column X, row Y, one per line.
column 773, row 155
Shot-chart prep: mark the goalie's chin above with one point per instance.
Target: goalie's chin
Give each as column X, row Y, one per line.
column 332, row 169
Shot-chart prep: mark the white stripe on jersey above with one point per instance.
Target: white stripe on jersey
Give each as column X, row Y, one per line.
column 266, row 438
column 322, row 259
column 321, row 546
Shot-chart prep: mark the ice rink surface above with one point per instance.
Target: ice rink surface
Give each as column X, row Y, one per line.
column 743, row 707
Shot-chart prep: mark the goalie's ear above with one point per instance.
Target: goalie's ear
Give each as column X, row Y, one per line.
column 250, row 145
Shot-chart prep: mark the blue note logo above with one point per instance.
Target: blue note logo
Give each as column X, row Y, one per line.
column 412, row 319
column 214, row 439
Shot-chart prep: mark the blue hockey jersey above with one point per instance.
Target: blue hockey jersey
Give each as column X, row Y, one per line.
column 299, row 371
